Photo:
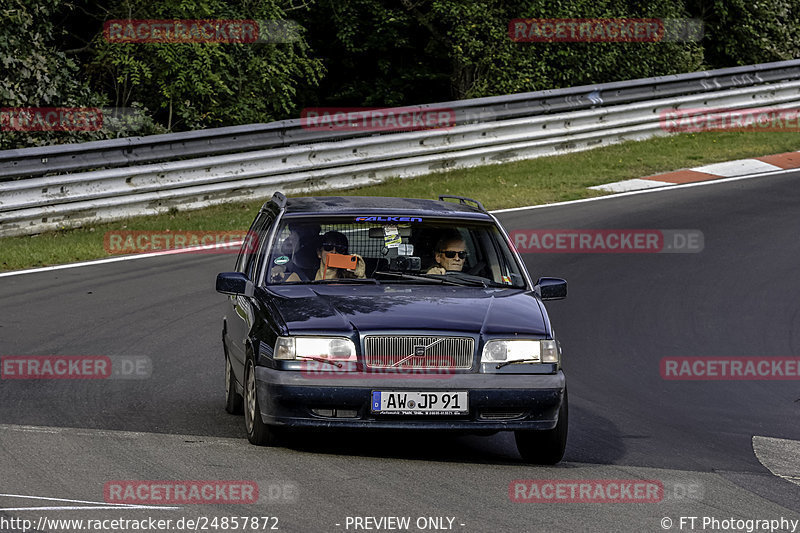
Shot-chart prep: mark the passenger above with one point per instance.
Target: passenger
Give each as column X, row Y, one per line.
column 451, row 253
column 334, row 241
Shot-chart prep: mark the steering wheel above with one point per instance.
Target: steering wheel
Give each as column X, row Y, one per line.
column 479, row 267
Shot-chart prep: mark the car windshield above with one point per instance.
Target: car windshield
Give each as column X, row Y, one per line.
column 448, row 252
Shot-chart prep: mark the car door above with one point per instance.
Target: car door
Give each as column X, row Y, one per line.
column 240, row 314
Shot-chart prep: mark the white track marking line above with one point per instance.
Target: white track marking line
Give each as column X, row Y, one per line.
column 26, row 497
column 94, row 505
column 115, row 433
column 647, row 191
column 117, row 259
column 89, row 508
column 779, row 456
column 631, row 185
column 740, row 167
column 509, row 210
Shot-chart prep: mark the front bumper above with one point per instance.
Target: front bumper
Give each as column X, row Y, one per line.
column 496, row 401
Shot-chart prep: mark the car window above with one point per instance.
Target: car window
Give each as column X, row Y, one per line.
column 388, row 250
column 254, row 241
column 261, row 247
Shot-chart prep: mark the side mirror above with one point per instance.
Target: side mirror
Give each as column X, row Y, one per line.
column 234, row 283
column 551, row 288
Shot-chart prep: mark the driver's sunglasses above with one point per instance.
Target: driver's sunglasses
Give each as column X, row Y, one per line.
column 340, row 248
column 450, row 254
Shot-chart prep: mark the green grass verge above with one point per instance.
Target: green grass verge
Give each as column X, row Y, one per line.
column 544, row 180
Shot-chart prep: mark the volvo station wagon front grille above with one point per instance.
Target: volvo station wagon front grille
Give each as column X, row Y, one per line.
column 403, row 351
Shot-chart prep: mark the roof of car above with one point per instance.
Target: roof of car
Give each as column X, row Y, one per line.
column 376, row 205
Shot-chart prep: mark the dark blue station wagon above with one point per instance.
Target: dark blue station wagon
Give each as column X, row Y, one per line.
column 390, row 313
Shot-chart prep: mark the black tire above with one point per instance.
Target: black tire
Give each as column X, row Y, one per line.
column 545, row 447
column 233, row 400
column 258, row 432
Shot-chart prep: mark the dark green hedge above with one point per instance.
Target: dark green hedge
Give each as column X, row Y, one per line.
column 347, row 53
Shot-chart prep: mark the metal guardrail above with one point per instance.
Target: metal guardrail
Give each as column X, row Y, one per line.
column 56, row 159
column 488, row 130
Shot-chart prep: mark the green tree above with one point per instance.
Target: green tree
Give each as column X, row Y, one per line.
column 490, row 63
column 387, row 52
column 198, row 85
column 744, row 32
column 34, row 72
column 347, row 53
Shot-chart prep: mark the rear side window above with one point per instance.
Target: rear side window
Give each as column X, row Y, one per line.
column 254, row 241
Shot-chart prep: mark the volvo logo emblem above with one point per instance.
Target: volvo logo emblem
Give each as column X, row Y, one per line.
column 418, row 350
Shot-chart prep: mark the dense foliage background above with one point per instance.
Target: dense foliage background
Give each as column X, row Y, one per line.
column 349, row 53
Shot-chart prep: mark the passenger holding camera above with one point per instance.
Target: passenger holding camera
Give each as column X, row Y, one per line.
column 334, row 263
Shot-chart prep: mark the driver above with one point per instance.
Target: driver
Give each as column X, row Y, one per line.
column 451, row 253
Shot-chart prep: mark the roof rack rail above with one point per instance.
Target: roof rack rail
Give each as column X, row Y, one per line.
column 278, row 198
column 463, row 200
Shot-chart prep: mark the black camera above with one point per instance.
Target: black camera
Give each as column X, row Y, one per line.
column 405, row 263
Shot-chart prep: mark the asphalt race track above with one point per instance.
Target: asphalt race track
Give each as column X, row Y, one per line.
column 65, row 439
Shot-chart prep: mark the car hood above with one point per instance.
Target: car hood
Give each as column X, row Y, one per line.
column 366, row 308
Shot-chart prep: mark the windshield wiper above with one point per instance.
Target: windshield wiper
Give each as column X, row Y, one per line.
column 347, row 280
column 479, row 279
column 501, row 365
column 417, row 277
column 321, row 360
column 461, row 278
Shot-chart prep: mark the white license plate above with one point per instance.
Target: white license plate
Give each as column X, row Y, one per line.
column 420, row 403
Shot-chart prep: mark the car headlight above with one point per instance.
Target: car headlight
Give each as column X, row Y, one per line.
column 530, row 351
column 338, row 348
